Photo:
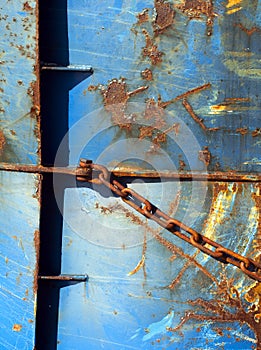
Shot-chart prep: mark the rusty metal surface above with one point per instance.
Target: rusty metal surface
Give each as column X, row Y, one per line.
column 19, row 192
column 146, row 287
column 146, row 208
column 19, row 90
column 175, row 90
column 19, row 246
column 162, row 50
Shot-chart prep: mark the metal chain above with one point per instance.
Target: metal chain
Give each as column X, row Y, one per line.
column 189, row 235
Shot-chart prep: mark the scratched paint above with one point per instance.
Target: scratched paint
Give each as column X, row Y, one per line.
column 19, row 106
column 195, row 294
column 200, row 65
column 218, row 114
column 19, row 221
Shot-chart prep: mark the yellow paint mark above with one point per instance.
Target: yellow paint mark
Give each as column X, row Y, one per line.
column 17, row 328
column 245, row 68
column 219, row 208
column 232, row 3
column 138, row 267
column 230, row 105
column 230, row 12
column 239, row 54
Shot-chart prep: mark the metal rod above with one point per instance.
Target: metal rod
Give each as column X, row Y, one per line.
column 40, row 169
column 139, row 173
column 70, row 68
column 69, row 278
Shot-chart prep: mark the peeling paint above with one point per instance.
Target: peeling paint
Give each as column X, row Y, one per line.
column 151, row 49
column 205, row 156
column 195, row 9
column 164, row 16
column 17, row 328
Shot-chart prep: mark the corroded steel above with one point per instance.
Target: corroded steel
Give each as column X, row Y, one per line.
column 147, row 209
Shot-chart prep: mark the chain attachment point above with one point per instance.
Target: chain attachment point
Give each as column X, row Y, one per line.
column 248, row 266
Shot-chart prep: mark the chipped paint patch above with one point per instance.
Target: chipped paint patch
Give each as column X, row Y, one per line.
column 17, row 328
column 195, row 9
column 151, row 49
column 164, row 16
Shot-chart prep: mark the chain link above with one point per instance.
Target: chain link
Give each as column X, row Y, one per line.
column 179, row 229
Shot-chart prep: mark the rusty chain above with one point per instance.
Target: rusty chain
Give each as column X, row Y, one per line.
column 150, row 211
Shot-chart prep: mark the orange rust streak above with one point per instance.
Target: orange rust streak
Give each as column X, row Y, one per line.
column 248, row 31
column 138, row 90
column 179, row 276
column 189, row 109
column 187, row 93
column 2, row 141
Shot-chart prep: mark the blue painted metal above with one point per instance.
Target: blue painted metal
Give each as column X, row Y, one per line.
column 172, row 300
column 142, row 294
column 19, row 234
column 145, row 289
column 19, row 192
column 19, row 107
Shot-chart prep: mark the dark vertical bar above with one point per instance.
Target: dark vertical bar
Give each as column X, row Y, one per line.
column 55, row 85
column 49, row 264
column 53, row 49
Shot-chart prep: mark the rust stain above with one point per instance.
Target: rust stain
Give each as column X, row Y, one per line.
column 193, row 115
column 34, row 93
column 93, row 87
column 250, row 31
column 186, row 94
column 195, row 9
column 219, row 187
column 146, row 131
column 182, row 165
column 242, row 131
column 157, row 132
column 154, row 111
column 37, row 255
column 253, row 296
column 147, row 74
column 214, row 129
column 151, row 49
column 143, row 16
column 27, row 7
column 164, row 16
column 256, row 132
column 17, row 328
column 205, row 156
column 115, row 98
column 161, row 137
column 2, row 142
column 218, row 310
